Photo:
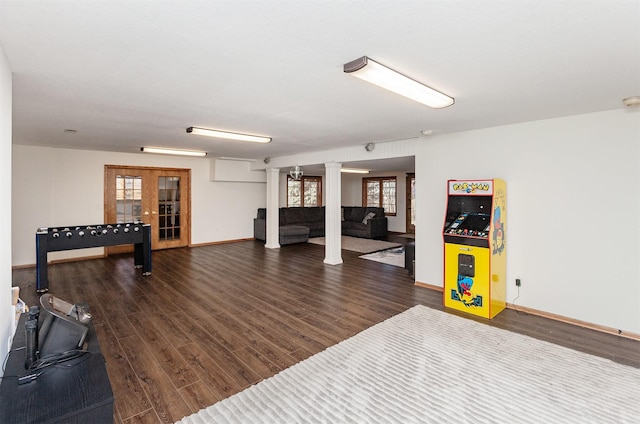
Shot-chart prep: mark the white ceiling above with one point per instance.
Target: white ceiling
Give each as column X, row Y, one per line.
column 126, row 74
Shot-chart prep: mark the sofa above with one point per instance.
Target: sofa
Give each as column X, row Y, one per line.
column 364, row 222
column 296, row 224
column 357, row 221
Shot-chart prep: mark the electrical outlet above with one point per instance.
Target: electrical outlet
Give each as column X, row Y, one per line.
column 517, row 282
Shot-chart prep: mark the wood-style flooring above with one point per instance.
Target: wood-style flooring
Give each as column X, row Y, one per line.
column 211, row 321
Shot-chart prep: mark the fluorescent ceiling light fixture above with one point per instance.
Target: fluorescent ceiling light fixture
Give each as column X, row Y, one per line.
column 228, row 135
column 173, row 151
column 375, row 73
column 237, row 159
column 354, row 171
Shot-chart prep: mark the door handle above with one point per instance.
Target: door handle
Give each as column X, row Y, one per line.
column 153, row 212
column 146, row 213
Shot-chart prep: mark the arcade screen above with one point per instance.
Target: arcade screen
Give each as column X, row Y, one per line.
column 476, row 222
column 468, row 213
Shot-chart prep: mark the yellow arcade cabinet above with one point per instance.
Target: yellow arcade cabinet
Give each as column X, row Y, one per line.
column 475, row 259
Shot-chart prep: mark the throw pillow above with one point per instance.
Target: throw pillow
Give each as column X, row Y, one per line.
column 369, row 216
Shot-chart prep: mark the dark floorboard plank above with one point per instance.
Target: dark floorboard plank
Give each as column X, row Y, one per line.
column 257, row 362
column 146, row 417
column 234, row 368
column 268, row 332
column 209, row 372
column 198, row 396
column 164, row 397
column 166, row 355
column 130, row 398
column 278, row 357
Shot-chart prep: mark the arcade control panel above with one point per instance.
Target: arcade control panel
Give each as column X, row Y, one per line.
column 471, row 225
column 54, row 239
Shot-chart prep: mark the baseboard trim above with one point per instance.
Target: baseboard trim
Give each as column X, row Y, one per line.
column 555, row 317
column 576, row 322
column 84, row 258
column 61, row 261
column 213, row 243
column 23, row 266
column 429, row 286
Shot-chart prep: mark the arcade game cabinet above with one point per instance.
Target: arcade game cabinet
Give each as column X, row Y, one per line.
column 474, row 248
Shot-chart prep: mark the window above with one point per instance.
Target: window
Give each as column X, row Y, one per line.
column 380, row 192
column 307, row 191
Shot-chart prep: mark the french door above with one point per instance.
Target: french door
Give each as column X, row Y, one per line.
column 411, row 203
column 157, row 196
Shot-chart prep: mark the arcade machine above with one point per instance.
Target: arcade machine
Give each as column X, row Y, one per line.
column 474, row 247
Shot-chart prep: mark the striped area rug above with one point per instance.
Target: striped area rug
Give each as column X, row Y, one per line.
column 393, row 256
column 357, row 244
column 427, row 366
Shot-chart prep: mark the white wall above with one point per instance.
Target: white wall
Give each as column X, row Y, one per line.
column 6, row 309
column 59, row 187
column 351, row 189
column 573, row 199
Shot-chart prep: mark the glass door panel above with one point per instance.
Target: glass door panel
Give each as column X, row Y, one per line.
column 169, row 208
column 128, row 198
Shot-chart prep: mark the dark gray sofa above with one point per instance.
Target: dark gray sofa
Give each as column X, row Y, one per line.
column 296, row 224
column 357, row 221
column 311, row 217
column 353, row 223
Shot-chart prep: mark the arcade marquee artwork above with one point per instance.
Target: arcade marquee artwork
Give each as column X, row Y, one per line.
column 474, row 247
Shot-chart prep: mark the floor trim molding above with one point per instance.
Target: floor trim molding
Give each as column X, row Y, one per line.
column 213, row 243
column 555, row 317
column 577, row 322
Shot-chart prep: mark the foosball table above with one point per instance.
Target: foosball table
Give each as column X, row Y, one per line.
column 55, row 239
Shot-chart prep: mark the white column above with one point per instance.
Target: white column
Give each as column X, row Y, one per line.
column 332, row 224
column 273, row 213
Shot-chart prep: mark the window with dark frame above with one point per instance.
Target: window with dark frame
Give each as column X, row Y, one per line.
column 380, row 192
column 305, row 192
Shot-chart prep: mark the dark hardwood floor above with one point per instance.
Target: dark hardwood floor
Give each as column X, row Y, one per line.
column 211, row 321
